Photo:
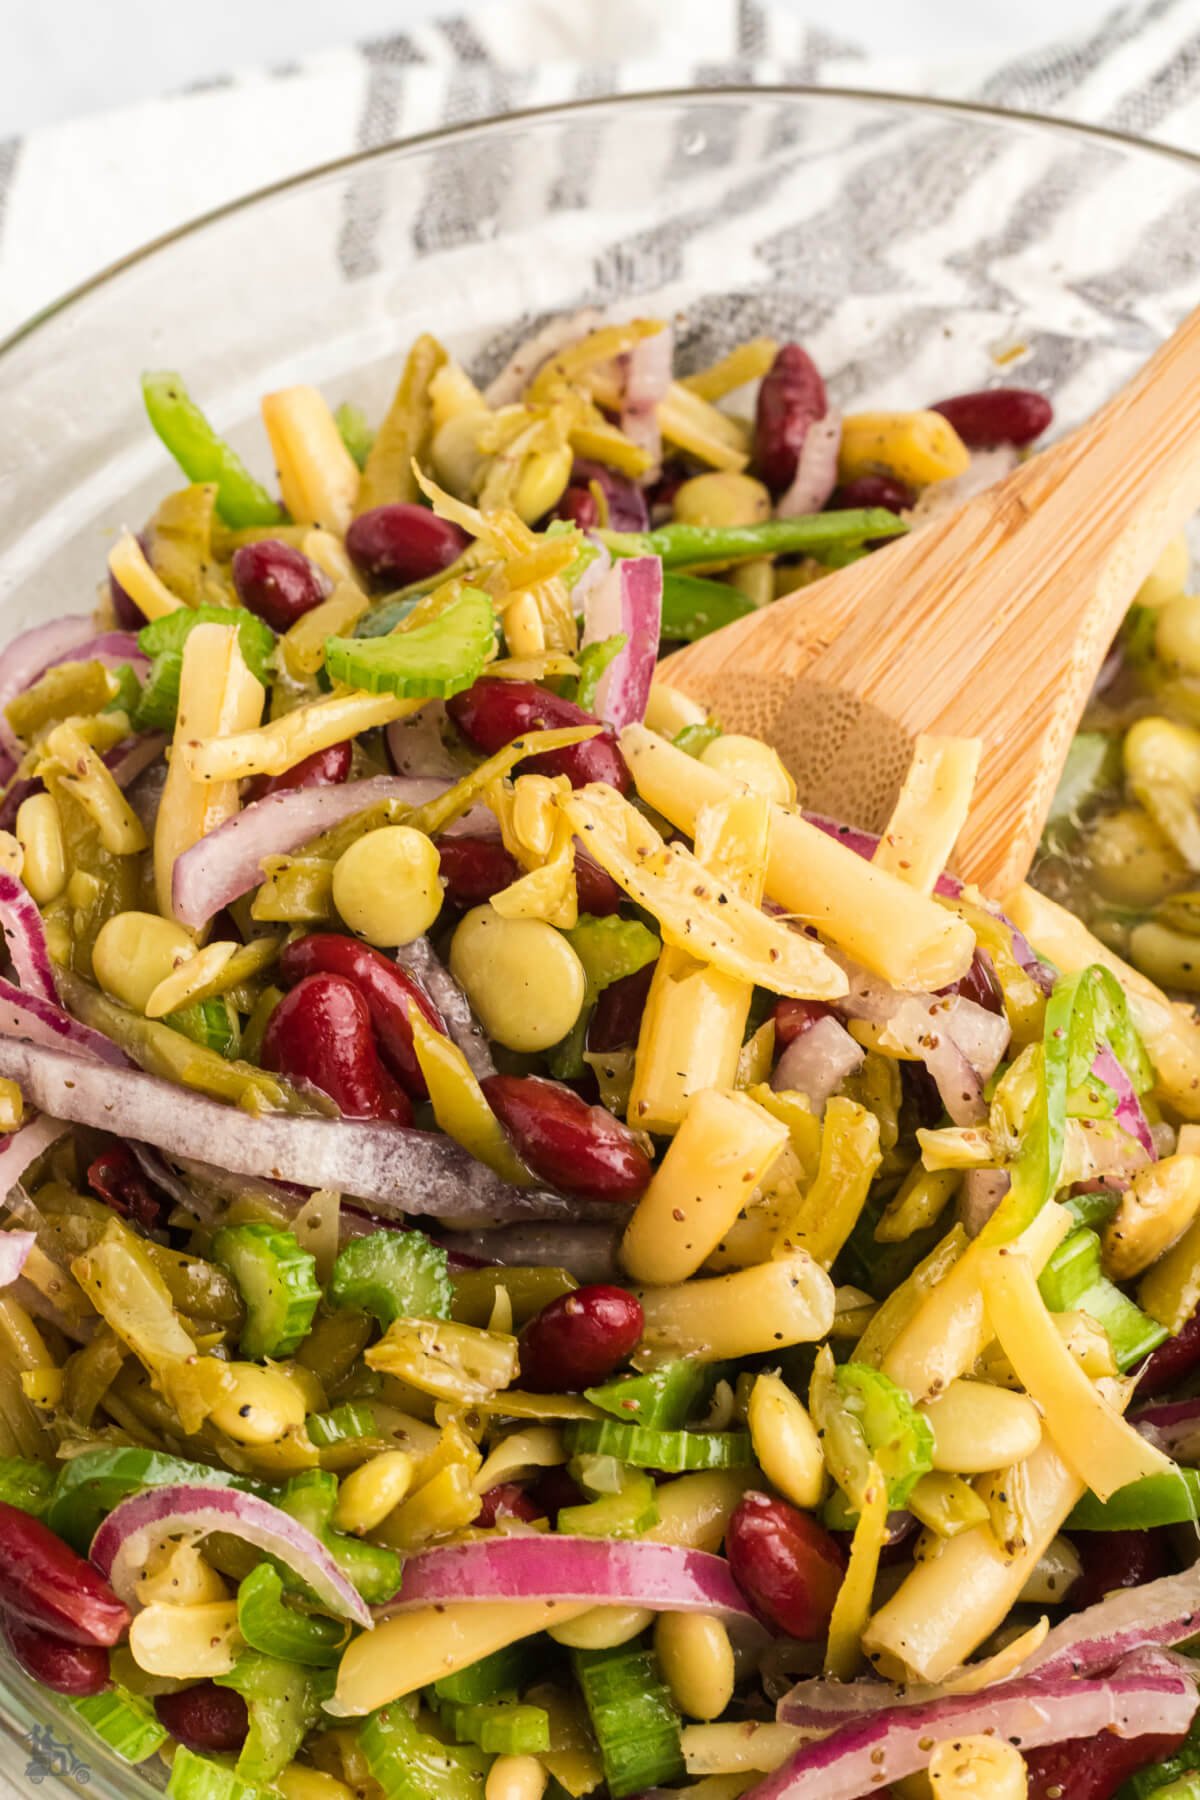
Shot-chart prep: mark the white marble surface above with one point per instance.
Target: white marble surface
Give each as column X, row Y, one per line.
column 76, row 57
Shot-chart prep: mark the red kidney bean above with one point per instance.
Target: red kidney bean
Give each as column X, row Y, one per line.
column 75, row 1669
column 402, row 542
column 116, row 1177
column 494, row 712
column 980, row 985
column 791, row 397
column 617, row 1017
column 788, row 1566
column 627, row 508
column 473, row 869
column 1167, row 1365
column 997, row 416
column 324, row 768
column 578, row 504
column 321, row 1033
column 660, row 497
column 1092, row 1768
column 126, row 611
column 872, row 490
column 1117, row 1559
column 204, row 1717
column 579, row 1148
column 579, row 1339
column 276, row 582
column 598, row 892
column 508, row 1501
column 386, row 989
column 44, row 1582
column 794, row 1017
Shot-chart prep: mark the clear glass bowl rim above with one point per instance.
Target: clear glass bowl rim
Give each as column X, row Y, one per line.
column 464, row 132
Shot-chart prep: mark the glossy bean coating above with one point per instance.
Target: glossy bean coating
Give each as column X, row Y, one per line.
column 788, row 1566
column 385, row 987
column 696, row 1659
column 43, row 1582
column 521, row 976
column 473, row 869
column 997, row 416
column 276, row 582
column 324, row 768
column 980, row 985
column 872, row 490
column 386, row 886
column 403, row 542
column 579, row 1339
column 791, row 398
column 579, row 1148
column 321, row 1033
column 205, row 1717
column 1092, row 1768
column 493, row 712
column 74, row 1669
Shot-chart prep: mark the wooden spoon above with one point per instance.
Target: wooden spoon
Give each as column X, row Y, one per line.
column 989, row 622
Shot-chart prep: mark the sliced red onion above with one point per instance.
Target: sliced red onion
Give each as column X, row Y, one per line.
column 593, row 575
column 626, row 501
column 661, row 1577
column 649, row 367
column 981, row 1193
column 589, row 1252
column 1128, row 1114
column 21, row 1148
column 17, row 792
column 417, row 747
column 29, row 655
column 123, row 1542
column 628, row 600
column 228, row 862
column 14, row 1253
column 865, row 844
column 1173, row 1428
column 817, row 1062
column 132, row 758
column 1144, row 1619
column 421, row 961
column 941, row 497
column 959, row 1042
column 25, row 935
column 1153, row 1695
column 565, row 328
column 25, row 1015
column 112, row 648
column 816, row 468
column 399, row 1171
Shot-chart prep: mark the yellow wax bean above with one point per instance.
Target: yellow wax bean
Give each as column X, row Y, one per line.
column 721, row 1152
column 302, row 646
column 843, row 1654
column 750, row 760
column 218, row 696
column 749, row 1313
column 931, row 810
column 1154, row 1212
column 738, row 1748
column 915, row 447
column 128, row 565
column 876, row 919
column 413, row 1649
column 668, row 712
column 318, row 477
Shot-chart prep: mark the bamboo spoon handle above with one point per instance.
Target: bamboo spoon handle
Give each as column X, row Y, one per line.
column 991, row 622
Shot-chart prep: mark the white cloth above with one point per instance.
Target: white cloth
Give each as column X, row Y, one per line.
column 77, row 196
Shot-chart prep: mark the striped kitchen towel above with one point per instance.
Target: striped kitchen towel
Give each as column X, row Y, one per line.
column 75, row 197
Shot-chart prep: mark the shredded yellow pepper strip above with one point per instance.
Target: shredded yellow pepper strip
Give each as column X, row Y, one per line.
column 458, row 1101
column 852, row 1608
column 277, row 746
column 128, row 566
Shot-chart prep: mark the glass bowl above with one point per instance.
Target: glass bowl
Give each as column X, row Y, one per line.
column 917, row 249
